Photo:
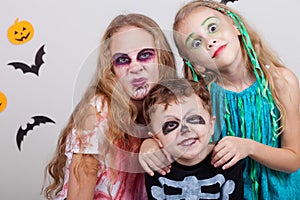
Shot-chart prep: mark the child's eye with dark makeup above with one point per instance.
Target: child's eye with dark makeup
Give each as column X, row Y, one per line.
column 146, row 54
column 196, row 43
column 212, row 28
column 195, row 119
column 122, row 60
column 169, row 126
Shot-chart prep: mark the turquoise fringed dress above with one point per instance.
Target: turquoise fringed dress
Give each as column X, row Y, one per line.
column 247, row 114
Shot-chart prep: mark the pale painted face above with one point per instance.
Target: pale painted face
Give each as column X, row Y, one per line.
column 210, row 39
column 184, row 129
column 135, row 61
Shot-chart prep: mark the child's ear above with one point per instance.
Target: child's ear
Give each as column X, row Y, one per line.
column 237, row 31
column 156, row 139
column 212, row 125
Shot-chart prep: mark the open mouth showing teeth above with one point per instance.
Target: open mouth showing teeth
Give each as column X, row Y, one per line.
column 188, row 142
column 141, row 92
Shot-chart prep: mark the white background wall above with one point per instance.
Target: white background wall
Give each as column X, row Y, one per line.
column 71, row 30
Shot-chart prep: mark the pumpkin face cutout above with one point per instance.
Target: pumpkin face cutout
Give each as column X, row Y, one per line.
column 3, row 101
column 20, row 32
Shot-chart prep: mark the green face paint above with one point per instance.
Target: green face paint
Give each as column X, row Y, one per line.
column 190, row 37
column 204, row 22
column 209, row 27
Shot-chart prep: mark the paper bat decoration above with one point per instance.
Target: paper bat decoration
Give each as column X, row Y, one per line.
column 23, row 132
column 34, row 68
column 226, row 1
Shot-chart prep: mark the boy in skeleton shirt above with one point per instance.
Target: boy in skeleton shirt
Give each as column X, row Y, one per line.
column 179, row 115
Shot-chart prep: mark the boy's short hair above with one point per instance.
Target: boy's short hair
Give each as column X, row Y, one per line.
column 168, row 91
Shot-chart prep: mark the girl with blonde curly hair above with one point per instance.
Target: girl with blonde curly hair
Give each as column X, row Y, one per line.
column 96, row 155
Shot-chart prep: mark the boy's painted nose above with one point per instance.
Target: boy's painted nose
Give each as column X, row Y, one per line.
column 184, row 128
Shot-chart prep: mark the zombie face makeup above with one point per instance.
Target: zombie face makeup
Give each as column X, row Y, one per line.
column 123, row 60
column 210, row 39
column 134, row 61
column 184, row 129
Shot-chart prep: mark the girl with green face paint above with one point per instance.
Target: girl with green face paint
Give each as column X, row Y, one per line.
column 255, row 98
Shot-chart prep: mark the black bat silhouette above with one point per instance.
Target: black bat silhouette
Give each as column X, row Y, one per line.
column 23, row 132
column 33, row 68
column 226, row 1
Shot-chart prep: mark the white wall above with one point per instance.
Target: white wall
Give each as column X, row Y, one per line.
column 71, row 31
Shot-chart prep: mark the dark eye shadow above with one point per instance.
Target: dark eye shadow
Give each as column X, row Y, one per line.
column 195, row 119
column 169, row 126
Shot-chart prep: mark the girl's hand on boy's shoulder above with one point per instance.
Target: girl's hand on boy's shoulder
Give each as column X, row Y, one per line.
column 153, row 158
column 229, row 150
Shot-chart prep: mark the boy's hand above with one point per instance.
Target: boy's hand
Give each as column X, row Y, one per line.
column 153, row 158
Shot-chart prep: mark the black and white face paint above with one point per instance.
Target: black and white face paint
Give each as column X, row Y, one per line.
column 172, row 125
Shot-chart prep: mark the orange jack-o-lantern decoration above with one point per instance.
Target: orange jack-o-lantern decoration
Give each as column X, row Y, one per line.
column 3, row 101
column 21, row 32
